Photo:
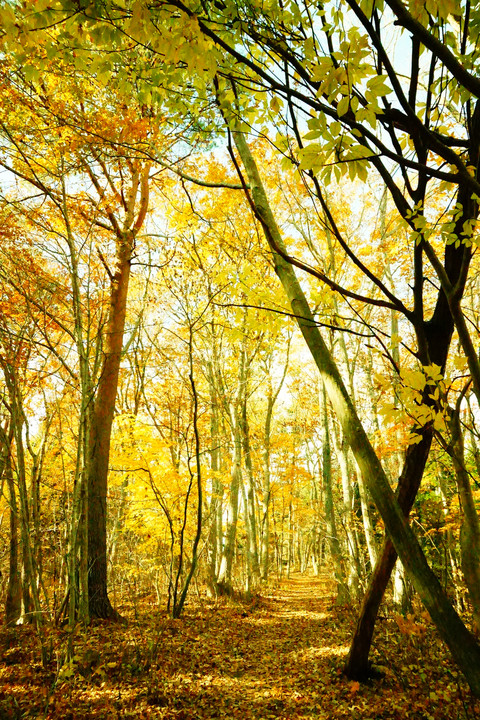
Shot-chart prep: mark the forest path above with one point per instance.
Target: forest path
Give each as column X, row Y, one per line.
column 305, row 593
column 279, row 657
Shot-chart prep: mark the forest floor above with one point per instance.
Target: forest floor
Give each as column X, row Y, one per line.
column 279, row 656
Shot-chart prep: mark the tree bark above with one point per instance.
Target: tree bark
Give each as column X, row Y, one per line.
column 13, row 601
column 470, row 526
column 214, row 542
column 341, row 451
column 250, row 501
column 272, row 397
column 224, row 579
column 343, row 594
column 460, row 641
column 100, row 435
column 106, row 392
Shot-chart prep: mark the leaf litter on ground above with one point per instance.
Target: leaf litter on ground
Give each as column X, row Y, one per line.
column 280, row 656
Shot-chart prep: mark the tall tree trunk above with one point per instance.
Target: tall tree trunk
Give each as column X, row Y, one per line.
column 358, row 666
column 265, row 501
column 317, row 535
column 217, row 431
column 106, row 392
column 197, row 474
column 341, row 451
column 470, row 526
column 31, row 607
column 290, row 556
column 250, row 500
column 214, row 509
column 224, row 579
column 343, row 595
column 13, row 602
column 272, row 397
column 460, row 641
column 367, row 520
column 100, row 435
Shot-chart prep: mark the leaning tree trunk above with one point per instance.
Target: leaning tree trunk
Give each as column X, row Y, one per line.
column 358, row 666
column 459, row 639
column 438, row 334
column 470, row 526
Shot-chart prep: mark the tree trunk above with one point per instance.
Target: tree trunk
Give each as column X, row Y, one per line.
column 367, row 520
column 13, row 602
column 216, row 487
column 100, row 435
column 266, row 490
column 470, row 526
column 343, row 595
column 179, row 604
column 224, row 579
column 250, row 502
column 31, row 607
column 461, row 642
column 265, row 501
column 341, row 450
column 434, row 339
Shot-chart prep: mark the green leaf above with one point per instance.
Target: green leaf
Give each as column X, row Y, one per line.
column 343, row 106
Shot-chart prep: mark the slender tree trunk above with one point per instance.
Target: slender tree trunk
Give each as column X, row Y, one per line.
column 31, row 609
column 13, row 603
column 216, row 487
column 266, row 491
column 317, row 503
column 289, row 538
column 367, row 520
column 353, row 579
column 217, row 432
column 197, row 473
column 224, row 579
column 343, row 594
column 250, row 500
column 77, row 553
column 265, row 502
column 365, row 499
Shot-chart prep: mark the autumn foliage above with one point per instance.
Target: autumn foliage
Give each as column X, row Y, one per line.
column 239, row 377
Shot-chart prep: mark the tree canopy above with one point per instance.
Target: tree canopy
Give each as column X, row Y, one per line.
column 183, row 185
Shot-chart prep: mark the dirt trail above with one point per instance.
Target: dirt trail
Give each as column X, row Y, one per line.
column 309, row 593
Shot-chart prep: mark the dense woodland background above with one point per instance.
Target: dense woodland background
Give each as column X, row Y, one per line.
column 239, row 311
